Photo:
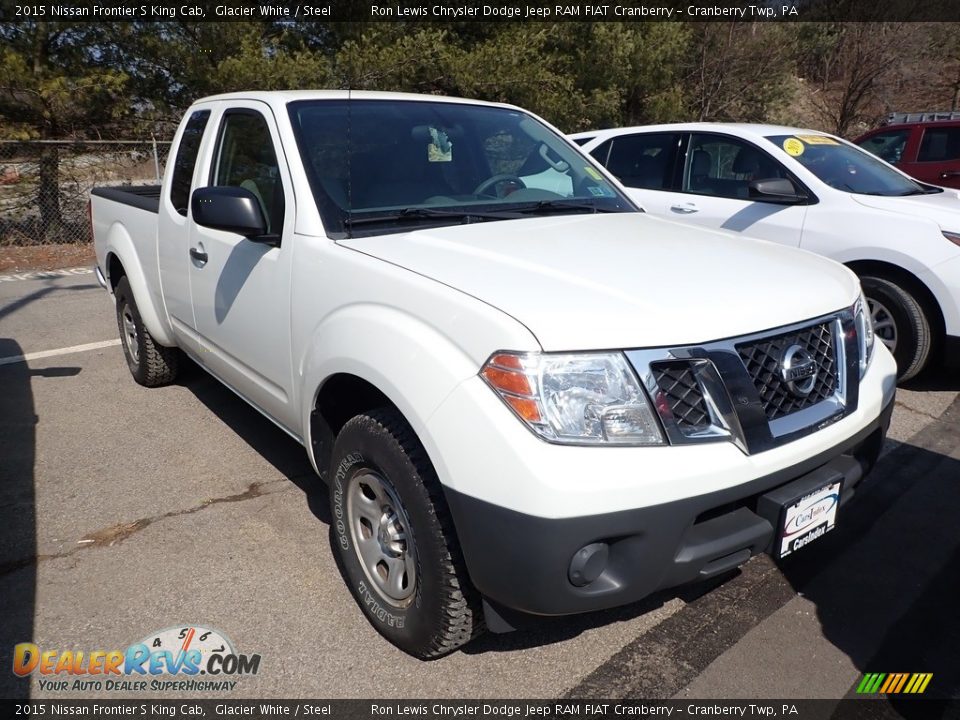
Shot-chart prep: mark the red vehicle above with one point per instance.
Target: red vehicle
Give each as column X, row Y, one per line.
column 926, row 148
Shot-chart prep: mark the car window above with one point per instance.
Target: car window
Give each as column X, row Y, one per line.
column 939, row 145
column 582, row 140
column 182, row 177
column 602, row 152
column 246, row 158
column 384, row 165
column 846, row 167
column 887, row 145
column 643, row 160
column 725, row 166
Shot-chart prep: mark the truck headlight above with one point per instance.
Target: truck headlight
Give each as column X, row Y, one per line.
column 577, row 399
column 865, row 333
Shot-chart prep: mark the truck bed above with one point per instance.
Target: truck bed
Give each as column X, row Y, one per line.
column 145, row 197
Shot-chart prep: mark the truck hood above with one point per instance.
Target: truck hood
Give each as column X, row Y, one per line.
column 623, row 280
column 943, row 208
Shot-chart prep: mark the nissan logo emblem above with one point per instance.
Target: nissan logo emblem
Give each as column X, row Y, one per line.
column 798, row 370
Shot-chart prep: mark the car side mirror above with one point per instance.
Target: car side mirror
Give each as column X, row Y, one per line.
column 232, row 209
column 776, row 190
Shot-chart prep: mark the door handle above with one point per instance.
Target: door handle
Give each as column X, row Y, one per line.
column 685, row 208
column 199, row 255
column 949, row 174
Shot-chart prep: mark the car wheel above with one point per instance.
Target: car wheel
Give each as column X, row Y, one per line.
column 150, row 363
column 394, row 539
column 900, row 323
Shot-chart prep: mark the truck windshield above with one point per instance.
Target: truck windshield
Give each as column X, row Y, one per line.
column 384, row 166
column 846, row 167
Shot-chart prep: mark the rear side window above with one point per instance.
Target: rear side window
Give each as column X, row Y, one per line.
column 643, row 160
column 939, row 144
column 180, row 182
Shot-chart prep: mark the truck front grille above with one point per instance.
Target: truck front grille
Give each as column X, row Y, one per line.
column 681, row 394
column 755, row 391
column 763, row 360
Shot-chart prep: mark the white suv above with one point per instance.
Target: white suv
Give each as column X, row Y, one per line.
column 811, row 190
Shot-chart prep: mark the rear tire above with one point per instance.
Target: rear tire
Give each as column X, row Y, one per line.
column 394, row 540
column 150, row 363
column 900, row 323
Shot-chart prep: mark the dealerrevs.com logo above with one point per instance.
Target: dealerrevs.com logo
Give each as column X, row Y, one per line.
column 183, row 658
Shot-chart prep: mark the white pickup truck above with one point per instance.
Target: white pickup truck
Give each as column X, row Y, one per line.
column 526, row 396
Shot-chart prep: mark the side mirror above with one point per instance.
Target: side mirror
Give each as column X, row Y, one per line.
column 776, row 190
column 232, row 209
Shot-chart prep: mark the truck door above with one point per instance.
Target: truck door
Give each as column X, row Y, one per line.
column 173, row 228
column 241, row 288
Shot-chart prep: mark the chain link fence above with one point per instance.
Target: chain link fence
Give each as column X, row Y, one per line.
column 45, row 184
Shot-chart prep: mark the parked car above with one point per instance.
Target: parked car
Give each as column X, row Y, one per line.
column 524, row 400
column 927, row 151
column 812, row 190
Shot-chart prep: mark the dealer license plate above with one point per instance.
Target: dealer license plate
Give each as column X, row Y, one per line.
column 809, row 519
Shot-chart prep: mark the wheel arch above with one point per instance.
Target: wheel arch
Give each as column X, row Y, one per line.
column 123, row 260
column 340, row 397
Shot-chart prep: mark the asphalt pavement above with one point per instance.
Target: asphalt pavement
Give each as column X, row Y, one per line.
column 124, row 511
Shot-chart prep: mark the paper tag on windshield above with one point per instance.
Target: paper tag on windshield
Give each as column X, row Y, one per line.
column 818, row 140
column 440, row 148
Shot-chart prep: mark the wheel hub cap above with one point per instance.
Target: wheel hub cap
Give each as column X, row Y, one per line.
column 883, row 324
column 130, row 334
column 380, row 531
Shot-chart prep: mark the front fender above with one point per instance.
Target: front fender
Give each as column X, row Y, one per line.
column 406, row 359
column 120, row 244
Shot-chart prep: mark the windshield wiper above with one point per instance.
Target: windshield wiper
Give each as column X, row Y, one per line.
column 923, row 191
column 564, row 204
column 417, row 213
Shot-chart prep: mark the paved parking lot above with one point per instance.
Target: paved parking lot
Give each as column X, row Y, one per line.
column 127, row 510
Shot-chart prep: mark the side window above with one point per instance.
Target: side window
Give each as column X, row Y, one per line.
column 725, row 166
column 939, row 145
column 246, row 158
column 186, row 160
column 643, row 160
column 582, row 140
column 887, row 145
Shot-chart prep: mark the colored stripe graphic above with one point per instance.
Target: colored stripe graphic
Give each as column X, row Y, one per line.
column 894, row 683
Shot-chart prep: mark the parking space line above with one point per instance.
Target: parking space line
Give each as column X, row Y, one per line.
column 59, row 351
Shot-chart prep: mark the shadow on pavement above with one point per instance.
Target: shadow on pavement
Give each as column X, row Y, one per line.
column 886, row 582
column 18, row 524
column 50, row 287
column 270, row 442
column 940, row 378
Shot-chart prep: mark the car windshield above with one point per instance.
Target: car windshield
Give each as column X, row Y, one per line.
column 846, row 167
column 379, row 166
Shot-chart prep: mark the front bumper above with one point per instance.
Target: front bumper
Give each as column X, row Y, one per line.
column 529, row 564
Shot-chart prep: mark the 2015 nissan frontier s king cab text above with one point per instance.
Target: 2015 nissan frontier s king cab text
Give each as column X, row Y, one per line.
column 525, row 395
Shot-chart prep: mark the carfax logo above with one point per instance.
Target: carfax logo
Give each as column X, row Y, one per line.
column 184, row 651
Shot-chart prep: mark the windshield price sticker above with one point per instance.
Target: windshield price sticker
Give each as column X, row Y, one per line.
column 793, row 147
column 818, row 140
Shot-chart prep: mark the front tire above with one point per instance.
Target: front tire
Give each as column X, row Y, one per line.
column 394, row 539
column 150, row 363
column 900, row 323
